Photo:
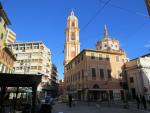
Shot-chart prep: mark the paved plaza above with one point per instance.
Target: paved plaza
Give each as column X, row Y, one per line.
column 94, row 108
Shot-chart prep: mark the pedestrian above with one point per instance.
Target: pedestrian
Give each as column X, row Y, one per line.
column 144, row 102
column 70, row 100
column 138, row 101
column 48, row 99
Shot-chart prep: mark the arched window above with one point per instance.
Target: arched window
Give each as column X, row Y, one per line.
column 72, row 24
column 96, row 86
column 72, row 36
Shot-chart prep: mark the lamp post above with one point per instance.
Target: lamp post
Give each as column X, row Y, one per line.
column 86, row 88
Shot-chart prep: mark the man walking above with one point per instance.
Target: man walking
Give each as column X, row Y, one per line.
column 144, row 102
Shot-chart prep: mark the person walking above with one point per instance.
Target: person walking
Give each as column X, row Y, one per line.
column 70, row 100
column 144, row 102
column 138, row 101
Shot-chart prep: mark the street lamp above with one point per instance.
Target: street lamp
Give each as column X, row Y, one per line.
column 86, row 87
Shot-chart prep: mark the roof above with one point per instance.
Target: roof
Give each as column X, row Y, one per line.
column 4, row 15
column 26, row 42
column 92, row 50
column 146, row 55
column 19, row 80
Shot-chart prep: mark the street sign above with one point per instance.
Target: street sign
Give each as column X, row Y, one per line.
column 148, row 5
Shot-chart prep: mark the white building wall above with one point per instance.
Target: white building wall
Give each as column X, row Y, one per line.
column 32, row 60
column 10, row 36
column 145, row 69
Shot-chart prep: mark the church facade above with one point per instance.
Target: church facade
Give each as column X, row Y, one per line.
column 93, row 74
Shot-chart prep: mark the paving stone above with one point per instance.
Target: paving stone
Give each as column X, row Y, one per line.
column 92, row 108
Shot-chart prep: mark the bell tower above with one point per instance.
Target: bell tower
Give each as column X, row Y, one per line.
column 72, row 44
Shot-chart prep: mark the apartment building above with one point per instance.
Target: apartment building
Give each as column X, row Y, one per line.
column 4, row 22
column 6, row 57
column 32, row 58
column 10, row 36
column 54, row 76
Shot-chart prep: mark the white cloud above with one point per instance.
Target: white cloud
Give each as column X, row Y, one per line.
column 147, row 45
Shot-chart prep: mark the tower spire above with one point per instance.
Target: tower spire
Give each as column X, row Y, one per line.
column 72, row 44
column 105, row 32
column 72, row 12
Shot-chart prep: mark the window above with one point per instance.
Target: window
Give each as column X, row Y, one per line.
column 79, row 76
column 93, row 72
column 117, row 58
column 2, row 35
column 39, row 67
column 131, row 80
column 21, row 68
column 92, row 56
column 15, row 47
column 82, row 74
column 35, row 47
column 100, row 57
column 73, row 36
column 17, row 68
column 100, row 47
column 107, row 57
column 101, row 73
column 33, row 67
column 109, row 73
column 73, row 24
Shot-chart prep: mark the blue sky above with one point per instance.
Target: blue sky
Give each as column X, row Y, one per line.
column 45, row 20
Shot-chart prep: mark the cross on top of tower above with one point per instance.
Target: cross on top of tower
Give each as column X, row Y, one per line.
column 72, row 13
column 72, row 16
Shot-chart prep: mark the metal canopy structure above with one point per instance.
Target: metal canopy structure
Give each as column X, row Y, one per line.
column 19, row 80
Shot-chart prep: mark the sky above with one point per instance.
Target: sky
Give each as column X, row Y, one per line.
column 45, row 20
